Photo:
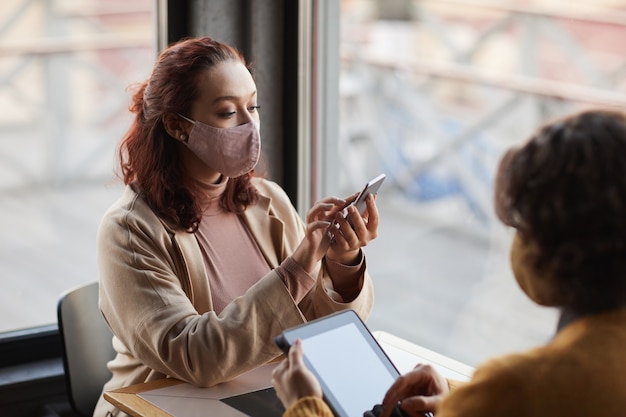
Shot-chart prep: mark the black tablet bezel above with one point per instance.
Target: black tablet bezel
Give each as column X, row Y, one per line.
column 322, row 325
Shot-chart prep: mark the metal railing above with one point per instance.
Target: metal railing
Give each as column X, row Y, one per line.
column 64, row 70
column 436, row 105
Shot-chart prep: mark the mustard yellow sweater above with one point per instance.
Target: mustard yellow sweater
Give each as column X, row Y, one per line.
column 581, row 372
column 309, row 407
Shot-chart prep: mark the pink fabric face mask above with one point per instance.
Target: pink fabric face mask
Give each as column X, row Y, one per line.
column 232, row 151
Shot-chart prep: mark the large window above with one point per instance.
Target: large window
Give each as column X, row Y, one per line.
column 431, row 93
column 64, row 71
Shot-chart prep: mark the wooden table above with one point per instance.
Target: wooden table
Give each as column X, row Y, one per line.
column 128, row 401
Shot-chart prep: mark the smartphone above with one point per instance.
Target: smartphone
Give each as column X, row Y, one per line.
column 370, row 188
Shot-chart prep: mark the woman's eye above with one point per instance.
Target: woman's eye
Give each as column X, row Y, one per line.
column 227, row 114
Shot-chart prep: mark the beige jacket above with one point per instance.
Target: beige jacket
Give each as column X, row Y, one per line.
column 155, row 296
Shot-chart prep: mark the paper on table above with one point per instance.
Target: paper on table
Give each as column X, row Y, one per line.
column 253, row 380
column 186, row 400
column 191, row 407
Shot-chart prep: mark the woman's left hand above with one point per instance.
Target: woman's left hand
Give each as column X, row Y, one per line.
column 292, row 380
column 347, row 240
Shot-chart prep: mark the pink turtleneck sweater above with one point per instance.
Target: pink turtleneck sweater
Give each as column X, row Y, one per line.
column 234, row 262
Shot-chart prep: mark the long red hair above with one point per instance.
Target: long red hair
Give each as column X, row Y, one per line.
column 149, row 156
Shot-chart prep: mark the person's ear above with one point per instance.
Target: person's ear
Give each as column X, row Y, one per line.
column 176, row 127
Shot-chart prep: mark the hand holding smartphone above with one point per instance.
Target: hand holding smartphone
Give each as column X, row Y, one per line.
column 371, row 187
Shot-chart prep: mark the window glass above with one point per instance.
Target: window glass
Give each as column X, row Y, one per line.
column 64, row 71
column 431, row 93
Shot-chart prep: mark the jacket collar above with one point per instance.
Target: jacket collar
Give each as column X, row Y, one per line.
column 266, row 229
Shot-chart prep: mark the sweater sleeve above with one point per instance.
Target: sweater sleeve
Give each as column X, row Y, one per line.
column 296, row 279
column 496, row 389
column 347, row 279
column 309, row 407
column 454, row 384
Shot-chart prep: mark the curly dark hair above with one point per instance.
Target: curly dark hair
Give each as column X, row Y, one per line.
column 565, row 191
column 148, row 155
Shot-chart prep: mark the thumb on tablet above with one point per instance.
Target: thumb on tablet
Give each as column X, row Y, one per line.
column 295, row 380
column 296, row 353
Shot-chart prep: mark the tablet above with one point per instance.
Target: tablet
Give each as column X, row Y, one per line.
column 353, row 370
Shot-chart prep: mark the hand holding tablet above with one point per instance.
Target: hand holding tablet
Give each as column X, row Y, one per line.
column 292, row 380
column 351, row 367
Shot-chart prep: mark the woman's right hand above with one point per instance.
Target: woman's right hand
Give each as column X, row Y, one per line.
column 317, row 239
column 418, row 391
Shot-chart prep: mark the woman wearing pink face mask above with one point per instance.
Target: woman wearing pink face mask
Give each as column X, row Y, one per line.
column 201, row 262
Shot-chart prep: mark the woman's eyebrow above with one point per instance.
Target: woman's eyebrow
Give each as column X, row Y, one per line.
column 231, row 98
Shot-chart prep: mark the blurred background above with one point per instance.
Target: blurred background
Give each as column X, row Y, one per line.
column 64, row 71
column 430, row 93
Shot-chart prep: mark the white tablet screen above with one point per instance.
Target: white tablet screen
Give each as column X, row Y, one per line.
column 349, row 368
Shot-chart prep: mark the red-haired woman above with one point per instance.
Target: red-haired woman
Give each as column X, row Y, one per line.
column 201, row 262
